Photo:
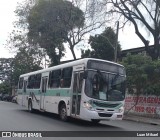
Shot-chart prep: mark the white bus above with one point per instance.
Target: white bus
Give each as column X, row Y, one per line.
column 88, row 89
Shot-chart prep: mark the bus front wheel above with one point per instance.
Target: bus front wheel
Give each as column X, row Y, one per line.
column 63, row 112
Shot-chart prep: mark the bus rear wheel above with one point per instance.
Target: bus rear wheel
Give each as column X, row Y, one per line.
column 63, row 112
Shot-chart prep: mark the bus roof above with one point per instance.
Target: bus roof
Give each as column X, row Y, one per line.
column 68, row 64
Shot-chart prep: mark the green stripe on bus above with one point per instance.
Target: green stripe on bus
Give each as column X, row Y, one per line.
column 50, row 92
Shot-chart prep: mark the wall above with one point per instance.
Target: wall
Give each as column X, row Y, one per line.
column 147, row 105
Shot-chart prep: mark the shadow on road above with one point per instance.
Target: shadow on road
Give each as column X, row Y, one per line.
column 75, row 122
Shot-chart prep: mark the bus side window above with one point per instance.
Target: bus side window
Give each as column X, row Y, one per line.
column 28, row 86
column 66, row 77
column 44, row 84
column 54, row 78
column 80, row 82
column 75, row 83
column 37, row 81
column 30, row 82
column 25, row 85
column 50, row 78
column 20, row 85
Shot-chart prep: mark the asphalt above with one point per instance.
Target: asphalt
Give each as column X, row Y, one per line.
column 153, row 121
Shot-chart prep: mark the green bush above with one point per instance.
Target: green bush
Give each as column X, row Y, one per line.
column 143, row 74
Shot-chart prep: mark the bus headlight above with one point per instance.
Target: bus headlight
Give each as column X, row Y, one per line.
column 88, row 106
column 121, row 109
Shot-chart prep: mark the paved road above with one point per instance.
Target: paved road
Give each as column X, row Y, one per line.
column 16, row 118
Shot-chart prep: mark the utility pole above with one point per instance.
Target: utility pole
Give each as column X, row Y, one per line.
column 115, row 52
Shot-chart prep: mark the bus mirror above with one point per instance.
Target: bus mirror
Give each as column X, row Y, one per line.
column 85, row 74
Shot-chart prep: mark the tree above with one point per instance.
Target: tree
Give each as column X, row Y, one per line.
column 72, row 22
column 18, row 39
column 142, row 75
column 24, row 62
column 136, row 75
column 5, row 87
column 102, row 45
column 5, row 75
column 140, row 13
column 61, row 21
column 5, row 69
column 50, row 23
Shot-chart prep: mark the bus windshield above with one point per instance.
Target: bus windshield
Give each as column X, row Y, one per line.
column 105, row 86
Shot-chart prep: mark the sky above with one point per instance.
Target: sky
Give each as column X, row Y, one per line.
column 7, row 16
column 127, row 38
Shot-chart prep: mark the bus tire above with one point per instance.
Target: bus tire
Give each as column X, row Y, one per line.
column 95, row 121
column 30, row 108
column 63, row 112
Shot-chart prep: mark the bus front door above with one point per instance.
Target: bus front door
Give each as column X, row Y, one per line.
column 43, row 92
column 76, row 97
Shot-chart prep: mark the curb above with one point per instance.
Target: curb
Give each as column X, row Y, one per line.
column 142, row 119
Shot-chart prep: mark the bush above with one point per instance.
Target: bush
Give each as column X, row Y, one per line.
column 143, row 74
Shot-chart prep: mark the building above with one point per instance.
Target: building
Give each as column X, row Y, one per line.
column 134, row 51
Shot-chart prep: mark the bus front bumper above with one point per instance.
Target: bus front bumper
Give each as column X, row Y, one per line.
column 97, row 115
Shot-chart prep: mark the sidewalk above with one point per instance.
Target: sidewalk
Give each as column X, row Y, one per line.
column 152, row 121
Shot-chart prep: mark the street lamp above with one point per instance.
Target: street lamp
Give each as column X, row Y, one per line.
column 115, row 56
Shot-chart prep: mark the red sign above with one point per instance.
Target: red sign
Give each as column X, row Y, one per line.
column 145, row 104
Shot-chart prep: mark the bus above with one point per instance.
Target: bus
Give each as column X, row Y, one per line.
column 88, row 89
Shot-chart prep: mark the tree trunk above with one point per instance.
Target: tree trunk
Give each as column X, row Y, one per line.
column 151, row 51
column 156, row 45
column 73, row 53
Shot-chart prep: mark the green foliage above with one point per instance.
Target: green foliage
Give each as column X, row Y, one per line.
column 102, row 45
column 50, row 23
column 143, row 74
column 5, row 88
column 24, row 62
column 5, row 69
